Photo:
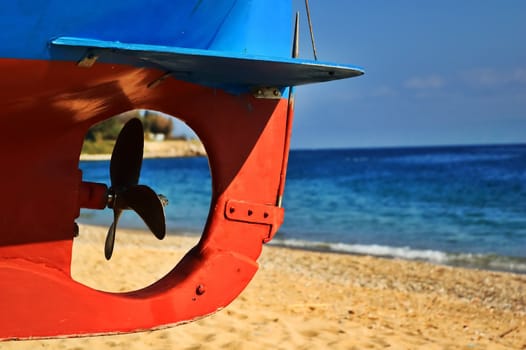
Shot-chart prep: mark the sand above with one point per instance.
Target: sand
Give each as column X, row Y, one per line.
column 312, row 300
column 161, row 149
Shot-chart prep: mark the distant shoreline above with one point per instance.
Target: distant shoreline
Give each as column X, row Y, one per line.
column 160, row 149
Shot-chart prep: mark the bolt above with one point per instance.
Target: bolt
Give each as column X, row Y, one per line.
column 200, row 290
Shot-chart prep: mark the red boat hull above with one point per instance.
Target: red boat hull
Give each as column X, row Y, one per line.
column 47, row 107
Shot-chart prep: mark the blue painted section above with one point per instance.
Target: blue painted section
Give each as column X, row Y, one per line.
column 210, row 67
column 257, row 27
column 231, row 44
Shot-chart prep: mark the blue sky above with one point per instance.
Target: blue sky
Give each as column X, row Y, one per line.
column 437, row 72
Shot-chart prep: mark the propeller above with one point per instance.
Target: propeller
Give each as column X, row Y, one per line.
column 125, row 191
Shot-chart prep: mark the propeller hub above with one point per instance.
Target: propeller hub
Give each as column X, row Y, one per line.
column 112, row 198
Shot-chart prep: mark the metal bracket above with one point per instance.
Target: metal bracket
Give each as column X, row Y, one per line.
column 271, row 93
column 255, row 213
column 88, row 60
column 159, row 80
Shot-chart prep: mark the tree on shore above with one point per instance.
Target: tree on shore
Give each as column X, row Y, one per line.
column 109, row 129
column 155, row 123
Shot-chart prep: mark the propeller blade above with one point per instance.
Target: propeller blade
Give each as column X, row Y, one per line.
column 110, row 238
column 125, row 193
column 126, row 158
column 145, row 202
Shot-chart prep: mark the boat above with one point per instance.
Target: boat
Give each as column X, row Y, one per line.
column 226, row 68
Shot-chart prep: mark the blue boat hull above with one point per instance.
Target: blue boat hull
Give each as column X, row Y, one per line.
column 223, row 67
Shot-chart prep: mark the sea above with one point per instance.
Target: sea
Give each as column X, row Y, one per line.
column 455, row 205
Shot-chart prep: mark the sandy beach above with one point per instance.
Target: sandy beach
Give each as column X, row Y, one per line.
column 161, row 149
column 311, row 300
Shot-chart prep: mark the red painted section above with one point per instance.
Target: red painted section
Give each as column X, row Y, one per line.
column 46, row 107
column 93, row 195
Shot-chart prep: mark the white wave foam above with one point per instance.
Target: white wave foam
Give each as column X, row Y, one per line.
column 489, row 261
column 483, row 261
column 373, row 249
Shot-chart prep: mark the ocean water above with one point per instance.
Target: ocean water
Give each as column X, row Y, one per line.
column 450, row 205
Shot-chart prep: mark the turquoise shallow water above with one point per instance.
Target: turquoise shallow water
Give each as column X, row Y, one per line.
column 453, row 205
